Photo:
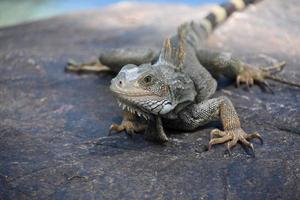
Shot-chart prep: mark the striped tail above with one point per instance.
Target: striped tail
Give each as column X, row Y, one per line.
column 196, row 32
column 221, row 12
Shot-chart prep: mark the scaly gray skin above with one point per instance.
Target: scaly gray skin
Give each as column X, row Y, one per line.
column 173, row 87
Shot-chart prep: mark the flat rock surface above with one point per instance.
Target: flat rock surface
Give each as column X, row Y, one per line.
column 50, row 120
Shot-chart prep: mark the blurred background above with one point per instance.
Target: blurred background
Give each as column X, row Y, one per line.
column 13, row 12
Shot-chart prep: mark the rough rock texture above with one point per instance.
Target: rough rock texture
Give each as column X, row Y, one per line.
column 49, row 118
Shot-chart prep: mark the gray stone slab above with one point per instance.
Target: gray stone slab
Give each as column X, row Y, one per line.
column 49, row 119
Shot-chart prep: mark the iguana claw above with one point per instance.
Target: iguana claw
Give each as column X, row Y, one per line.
column 231, row 137
column 251, row 75
column 125, row 126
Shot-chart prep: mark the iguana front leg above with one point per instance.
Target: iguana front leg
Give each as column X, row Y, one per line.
column 131, row 124
column 153, row 128
column 155, row 131
column 90, row 67
column 113, row 60
column 231, row 67
column 213, row 109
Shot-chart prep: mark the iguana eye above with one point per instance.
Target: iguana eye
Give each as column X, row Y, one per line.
column 148, row 79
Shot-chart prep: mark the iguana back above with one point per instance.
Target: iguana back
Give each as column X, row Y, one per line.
column 191, row 37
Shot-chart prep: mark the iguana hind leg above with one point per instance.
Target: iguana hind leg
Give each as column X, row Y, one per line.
column 223, row 63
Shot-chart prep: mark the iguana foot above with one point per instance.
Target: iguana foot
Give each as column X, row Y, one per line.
column 124, row 126
column 251, row 75
column 131, row 124
column 91, row 67
column 231, row 137
column 128, row 126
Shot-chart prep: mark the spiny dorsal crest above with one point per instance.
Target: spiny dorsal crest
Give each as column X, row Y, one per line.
column 181, row 51
column 172, row 55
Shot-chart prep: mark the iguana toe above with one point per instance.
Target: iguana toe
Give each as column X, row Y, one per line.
column 254, row 135
column 125, row 126
column 232, row 137
column 251, row 75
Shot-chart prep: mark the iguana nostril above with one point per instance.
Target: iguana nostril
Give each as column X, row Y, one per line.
column 120, row 83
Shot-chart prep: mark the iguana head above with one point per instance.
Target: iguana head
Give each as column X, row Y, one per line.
column 152, row 88
column 155, row 89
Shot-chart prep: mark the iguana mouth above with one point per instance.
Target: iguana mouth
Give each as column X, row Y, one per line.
column 132, row 109
column 144, row 106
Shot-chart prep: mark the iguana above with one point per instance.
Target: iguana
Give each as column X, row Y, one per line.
column 174, row 87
